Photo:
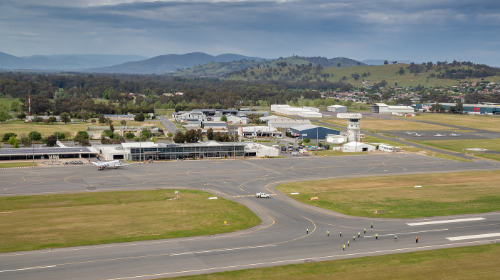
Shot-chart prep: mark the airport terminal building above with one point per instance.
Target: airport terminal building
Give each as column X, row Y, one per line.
column 171, row 151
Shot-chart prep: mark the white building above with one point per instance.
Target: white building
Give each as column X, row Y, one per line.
column 337, row 108
column 259, row 131
column 310, row 114
column 353, row 147
column 237, row 119
column 382, row 108
column 286, row 122
column 260, row 150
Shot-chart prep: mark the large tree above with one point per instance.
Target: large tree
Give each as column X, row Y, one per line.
column 65, row 118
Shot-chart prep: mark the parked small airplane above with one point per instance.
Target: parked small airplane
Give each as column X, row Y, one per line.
column 455, row 135
column 440, row 135
column 101, row 165
column 410, row 133
column 419, row 135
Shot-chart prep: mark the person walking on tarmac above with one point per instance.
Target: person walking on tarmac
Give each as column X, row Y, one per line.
column 372, row 225
column 376, row 235
column 328, row 232
column 416, row 239
column 340, row 234
column 358, row 234
column 396, row 237
column 343, row 249
column 354, row 237
column 364, row 231
column 347, row 242
column 307, row 231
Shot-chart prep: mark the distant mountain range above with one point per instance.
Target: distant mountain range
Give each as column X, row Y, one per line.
column 196, row 64
column 171, row 62
column 63, row 62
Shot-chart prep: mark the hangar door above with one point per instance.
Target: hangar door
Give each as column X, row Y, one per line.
column 118, row 157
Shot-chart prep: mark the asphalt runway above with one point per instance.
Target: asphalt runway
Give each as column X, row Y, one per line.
column 280, row 239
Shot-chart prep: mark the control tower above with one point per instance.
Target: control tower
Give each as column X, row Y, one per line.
column 353, row 125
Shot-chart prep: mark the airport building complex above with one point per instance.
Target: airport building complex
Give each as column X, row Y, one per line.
column 476, row 109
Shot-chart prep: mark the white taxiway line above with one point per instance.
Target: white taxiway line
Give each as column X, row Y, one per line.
column 445, row 221
column 465, row 237
column 222, row 250
column 27, row 268
column 407, row 232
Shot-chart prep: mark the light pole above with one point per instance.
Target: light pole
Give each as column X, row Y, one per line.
column 33, row 146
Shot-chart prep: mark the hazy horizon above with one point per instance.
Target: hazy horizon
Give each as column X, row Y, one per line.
column 360, row 29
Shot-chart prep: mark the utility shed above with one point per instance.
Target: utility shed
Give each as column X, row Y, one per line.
column 312, row 131
column 337, row 108
column 352, row 147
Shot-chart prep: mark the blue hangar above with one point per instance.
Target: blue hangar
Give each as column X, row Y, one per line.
column 312, row 131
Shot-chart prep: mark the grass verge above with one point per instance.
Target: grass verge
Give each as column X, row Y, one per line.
column 489, row 156
column 434, row 154
column 473, row 262
column 17, row 164
column 64, row 220
column 396, row 196
column 461, row 146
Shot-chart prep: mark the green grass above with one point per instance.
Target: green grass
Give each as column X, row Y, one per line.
column 461, row 146
column 473, row 262
column 64, row 220
column 17, row 164
column 389, row 125
column 7, row 102
column 473, row 121
column 21, row 128
column 440, row 195
column 434, row 154
column 489, row 156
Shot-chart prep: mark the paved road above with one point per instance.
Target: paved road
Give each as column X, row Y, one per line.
column 280, row 239
column 169, row 126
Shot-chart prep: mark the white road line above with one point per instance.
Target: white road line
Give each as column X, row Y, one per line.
column 221, row 250
column 465, row 237
column 27, row 268
column 407, row 232
column 445, row 221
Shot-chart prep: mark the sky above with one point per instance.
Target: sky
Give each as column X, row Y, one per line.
column 418, row 30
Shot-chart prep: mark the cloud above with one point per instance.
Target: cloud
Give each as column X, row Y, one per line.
column 419, row 30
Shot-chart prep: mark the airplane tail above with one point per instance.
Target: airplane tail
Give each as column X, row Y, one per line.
column 98, row 159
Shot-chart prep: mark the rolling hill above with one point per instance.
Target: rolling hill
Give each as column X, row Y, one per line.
column 375, row 74
column 220, row 69
column 171, row 62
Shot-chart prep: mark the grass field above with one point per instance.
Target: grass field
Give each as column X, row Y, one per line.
column 473, row 121
column 489, row 156
column 7, row 102
column 474, row 262
column 461, row 146
column 21, row 128
column 434, row 154
column 64, row 220
column 17, row 164
column 389, row 125
column 396, row 196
